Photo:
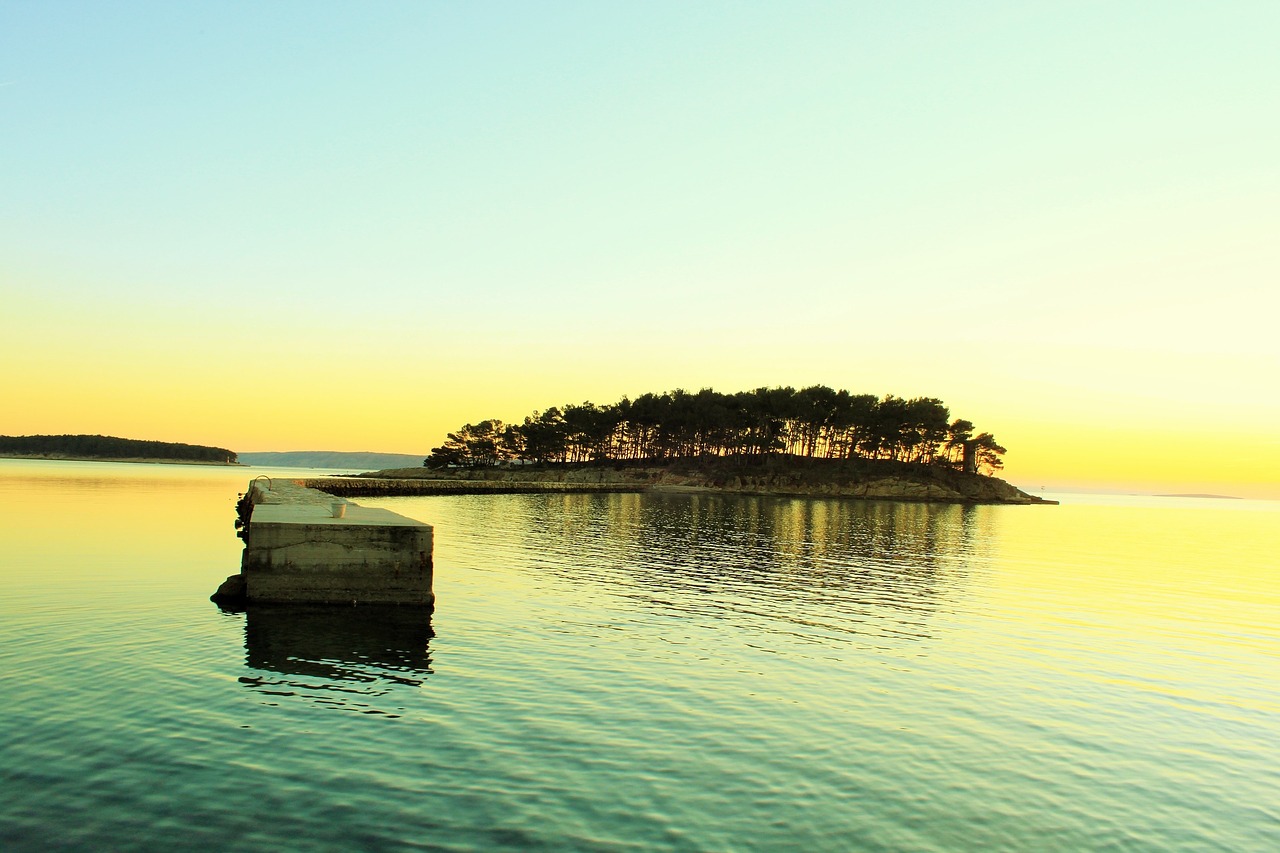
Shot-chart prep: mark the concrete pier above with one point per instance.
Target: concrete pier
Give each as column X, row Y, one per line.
column 302, row 545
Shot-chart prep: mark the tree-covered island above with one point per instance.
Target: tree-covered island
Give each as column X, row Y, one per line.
column 812, row 423
column 812, row 442
column 107, row 448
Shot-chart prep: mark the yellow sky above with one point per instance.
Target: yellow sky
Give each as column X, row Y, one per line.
column 267, row 232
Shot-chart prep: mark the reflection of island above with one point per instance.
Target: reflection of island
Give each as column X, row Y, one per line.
column 827, row 569
column 347, row 657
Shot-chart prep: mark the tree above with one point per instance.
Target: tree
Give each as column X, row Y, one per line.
column 959, row 432
column 482, row 444
column 816, row 421
column 989, row 453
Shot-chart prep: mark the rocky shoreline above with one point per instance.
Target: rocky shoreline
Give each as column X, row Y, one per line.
column 875, row 482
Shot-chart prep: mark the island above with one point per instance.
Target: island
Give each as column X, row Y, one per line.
column 106, row 448
column 781, row 476
column 812, row 442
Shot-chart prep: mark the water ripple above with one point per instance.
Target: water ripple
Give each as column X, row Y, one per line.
column 649, row 672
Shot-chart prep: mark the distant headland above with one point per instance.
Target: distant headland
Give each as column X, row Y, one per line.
column 106, row 448
column 328, row 459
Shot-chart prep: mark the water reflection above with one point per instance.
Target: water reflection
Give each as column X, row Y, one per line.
column 824, row 569
column 826, row 566
column 351, row 658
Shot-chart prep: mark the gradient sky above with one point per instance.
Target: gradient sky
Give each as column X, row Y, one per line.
column 356, row 226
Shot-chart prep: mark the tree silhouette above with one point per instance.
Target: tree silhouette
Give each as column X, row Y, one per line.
column 109, row 447
column 814, row 422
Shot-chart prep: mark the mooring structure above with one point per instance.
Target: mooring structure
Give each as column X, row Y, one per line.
column 305, row 546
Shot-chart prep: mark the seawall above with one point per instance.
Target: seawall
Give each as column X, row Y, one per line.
column 302, row 545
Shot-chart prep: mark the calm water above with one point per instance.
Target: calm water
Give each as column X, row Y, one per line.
column 607, row 672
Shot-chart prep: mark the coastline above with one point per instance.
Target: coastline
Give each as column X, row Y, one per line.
column 876, row 482
column 41, row 457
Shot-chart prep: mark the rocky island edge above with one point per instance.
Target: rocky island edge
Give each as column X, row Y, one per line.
column 794, row 477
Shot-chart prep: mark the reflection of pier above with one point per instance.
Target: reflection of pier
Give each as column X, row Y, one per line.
column 348, row 657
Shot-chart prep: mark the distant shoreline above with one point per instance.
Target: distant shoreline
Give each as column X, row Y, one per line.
column 110, row 448
column 40, row 457
column 1214, row 497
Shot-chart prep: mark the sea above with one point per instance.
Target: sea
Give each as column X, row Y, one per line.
column 632, row 672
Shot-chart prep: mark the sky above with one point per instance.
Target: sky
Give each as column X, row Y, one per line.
column 357, row 226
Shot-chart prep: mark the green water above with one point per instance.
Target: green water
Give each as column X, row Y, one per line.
column 607, row 672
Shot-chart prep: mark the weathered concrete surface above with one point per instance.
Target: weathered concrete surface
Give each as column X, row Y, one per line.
column 301, row 553
column 298, row 550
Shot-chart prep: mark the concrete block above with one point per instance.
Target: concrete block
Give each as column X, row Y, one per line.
column 302, row 546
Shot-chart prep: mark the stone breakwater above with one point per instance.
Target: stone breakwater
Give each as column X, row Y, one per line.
column 306, row 546
column 919, row 485
column 392, row 486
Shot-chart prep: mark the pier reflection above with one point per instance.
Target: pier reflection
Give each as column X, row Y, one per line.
column 350, row 658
